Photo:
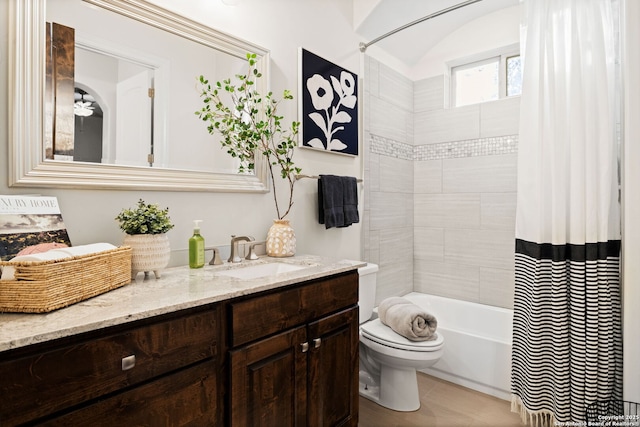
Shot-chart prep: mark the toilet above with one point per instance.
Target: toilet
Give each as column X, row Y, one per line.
column 388, row 361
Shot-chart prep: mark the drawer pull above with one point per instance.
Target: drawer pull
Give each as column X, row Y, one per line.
column 128, row 362
column 317, row 342
column 305, row 347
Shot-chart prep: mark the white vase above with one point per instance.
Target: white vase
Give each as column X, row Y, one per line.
column 281, row 239
column 149, row 252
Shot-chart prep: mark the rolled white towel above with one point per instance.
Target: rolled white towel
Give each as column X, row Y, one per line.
column 407, row 319
column 91, row 248
column 8, row 271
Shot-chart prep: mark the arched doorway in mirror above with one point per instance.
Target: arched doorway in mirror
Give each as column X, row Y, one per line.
column 89, row 126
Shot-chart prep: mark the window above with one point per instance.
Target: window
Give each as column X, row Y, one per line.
column 495, row 76
column 514, row 76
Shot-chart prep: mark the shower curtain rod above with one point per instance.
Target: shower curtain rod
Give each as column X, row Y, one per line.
column 364, row 46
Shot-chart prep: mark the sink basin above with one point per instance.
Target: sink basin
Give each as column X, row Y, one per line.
column 262, row 270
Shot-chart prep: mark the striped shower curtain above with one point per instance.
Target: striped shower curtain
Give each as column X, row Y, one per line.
column 567, row 338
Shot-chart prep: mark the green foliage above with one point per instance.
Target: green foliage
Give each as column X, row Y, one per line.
column 250, row 125
column 145, row 219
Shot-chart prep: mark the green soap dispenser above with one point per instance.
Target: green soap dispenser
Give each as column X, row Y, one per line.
column 196, row 247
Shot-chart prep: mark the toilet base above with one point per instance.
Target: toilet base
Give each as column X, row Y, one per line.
column 400, row 391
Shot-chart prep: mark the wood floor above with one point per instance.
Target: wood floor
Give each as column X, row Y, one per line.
column 443, row 404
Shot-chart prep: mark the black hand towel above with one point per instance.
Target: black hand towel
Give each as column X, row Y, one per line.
column 330, row 201
column 350, row 200
column 337, row 201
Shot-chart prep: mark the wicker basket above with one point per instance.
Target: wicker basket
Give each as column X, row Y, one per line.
column 43, row 286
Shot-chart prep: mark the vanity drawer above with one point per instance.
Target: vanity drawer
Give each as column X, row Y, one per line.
column 266, row 314
column 184, row 398
column 36, row 385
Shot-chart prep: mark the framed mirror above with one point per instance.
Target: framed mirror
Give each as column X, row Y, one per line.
column 162, row 160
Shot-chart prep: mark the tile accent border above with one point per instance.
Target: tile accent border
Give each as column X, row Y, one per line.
column 445, row 150
column 391, row 148
column 468, row 148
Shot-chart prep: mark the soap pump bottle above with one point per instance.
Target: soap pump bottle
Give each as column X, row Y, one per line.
column 196, row 247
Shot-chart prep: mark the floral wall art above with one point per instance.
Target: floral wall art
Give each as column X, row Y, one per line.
column 328, row 106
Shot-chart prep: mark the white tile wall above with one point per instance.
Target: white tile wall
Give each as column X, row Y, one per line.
column 498, row 211
column 499, row 118
column 372, row 84
column 429, row 94
column 480, row 248
column 374, row 248
column 395, row 88
column 441, row 183
column 447, row 279
column 389, row 121
column 391, row 210
column 394, row 279
column 398, row 245
column 396, row 175
column 427, row 176
column 447, row 210
column 428, row 244
column 480, row 174
column 452, row 124
column 396, row 261
column 496, row 287
column 373, row 179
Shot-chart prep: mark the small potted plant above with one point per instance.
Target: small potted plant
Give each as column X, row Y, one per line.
column 250, row 124
column 146, row 226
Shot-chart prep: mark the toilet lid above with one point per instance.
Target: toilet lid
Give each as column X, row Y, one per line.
column 377, row 331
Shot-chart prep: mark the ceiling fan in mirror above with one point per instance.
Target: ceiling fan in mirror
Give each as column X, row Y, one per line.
column 83, row 103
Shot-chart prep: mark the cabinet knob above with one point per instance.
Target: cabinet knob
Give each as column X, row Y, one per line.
column 305, row 347
column 317, row 342
column 128, row 362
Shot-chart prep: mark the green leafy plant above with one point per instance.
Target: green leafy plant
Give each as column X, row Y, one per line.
column 145, row 219
column 251, row 124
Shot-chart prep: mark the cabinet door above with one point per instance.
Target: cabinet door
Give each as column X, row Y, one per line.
column 269, row 381
column 333, row 370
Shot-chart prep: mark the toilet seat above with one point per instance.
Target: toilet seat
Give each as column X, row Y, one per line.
column 378, row 332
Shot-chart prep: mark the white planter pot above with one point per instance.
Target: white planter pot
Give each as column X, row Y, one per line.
column 149, row 252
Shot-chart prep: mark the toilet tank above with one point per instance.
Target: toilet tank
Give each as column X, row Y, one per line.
column 367, row 290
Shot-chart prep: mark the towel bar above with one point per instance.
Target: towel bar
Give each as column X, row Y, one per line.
column 316, row 177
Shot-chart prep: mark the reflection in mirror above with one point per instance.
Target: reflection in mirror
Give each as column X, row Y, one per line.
column 146, row 79
column 126, row 89
column 138, row 82
column 87, row 145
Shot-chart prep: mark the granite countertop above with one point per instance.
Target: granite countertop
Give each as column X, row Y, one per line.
column 179, row 288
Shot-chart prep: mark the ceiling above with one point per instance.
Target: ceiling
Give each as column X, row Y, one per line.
column 411, row 44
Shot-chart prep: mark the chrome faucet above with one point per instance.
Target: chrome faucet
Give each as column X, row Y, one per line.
column 234, row 247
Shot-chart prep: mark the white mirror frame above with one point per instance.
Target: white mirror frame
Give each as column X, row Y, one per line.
column 27, row 166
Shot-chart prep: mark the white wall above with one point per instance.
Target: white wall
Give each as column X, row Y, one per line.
column 492, row 31
column 321, row 26
column 631, row 201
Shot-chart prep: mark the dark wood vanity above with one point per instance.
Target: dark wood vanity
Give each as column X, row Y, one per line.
column 286, row 356
column 293, row 357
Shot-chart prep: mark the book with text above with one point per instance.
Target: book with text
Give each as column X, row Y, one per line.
column 30, row 224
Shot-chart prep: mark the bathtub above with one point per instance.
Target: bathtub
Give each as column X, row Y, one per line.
column 477, row 349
